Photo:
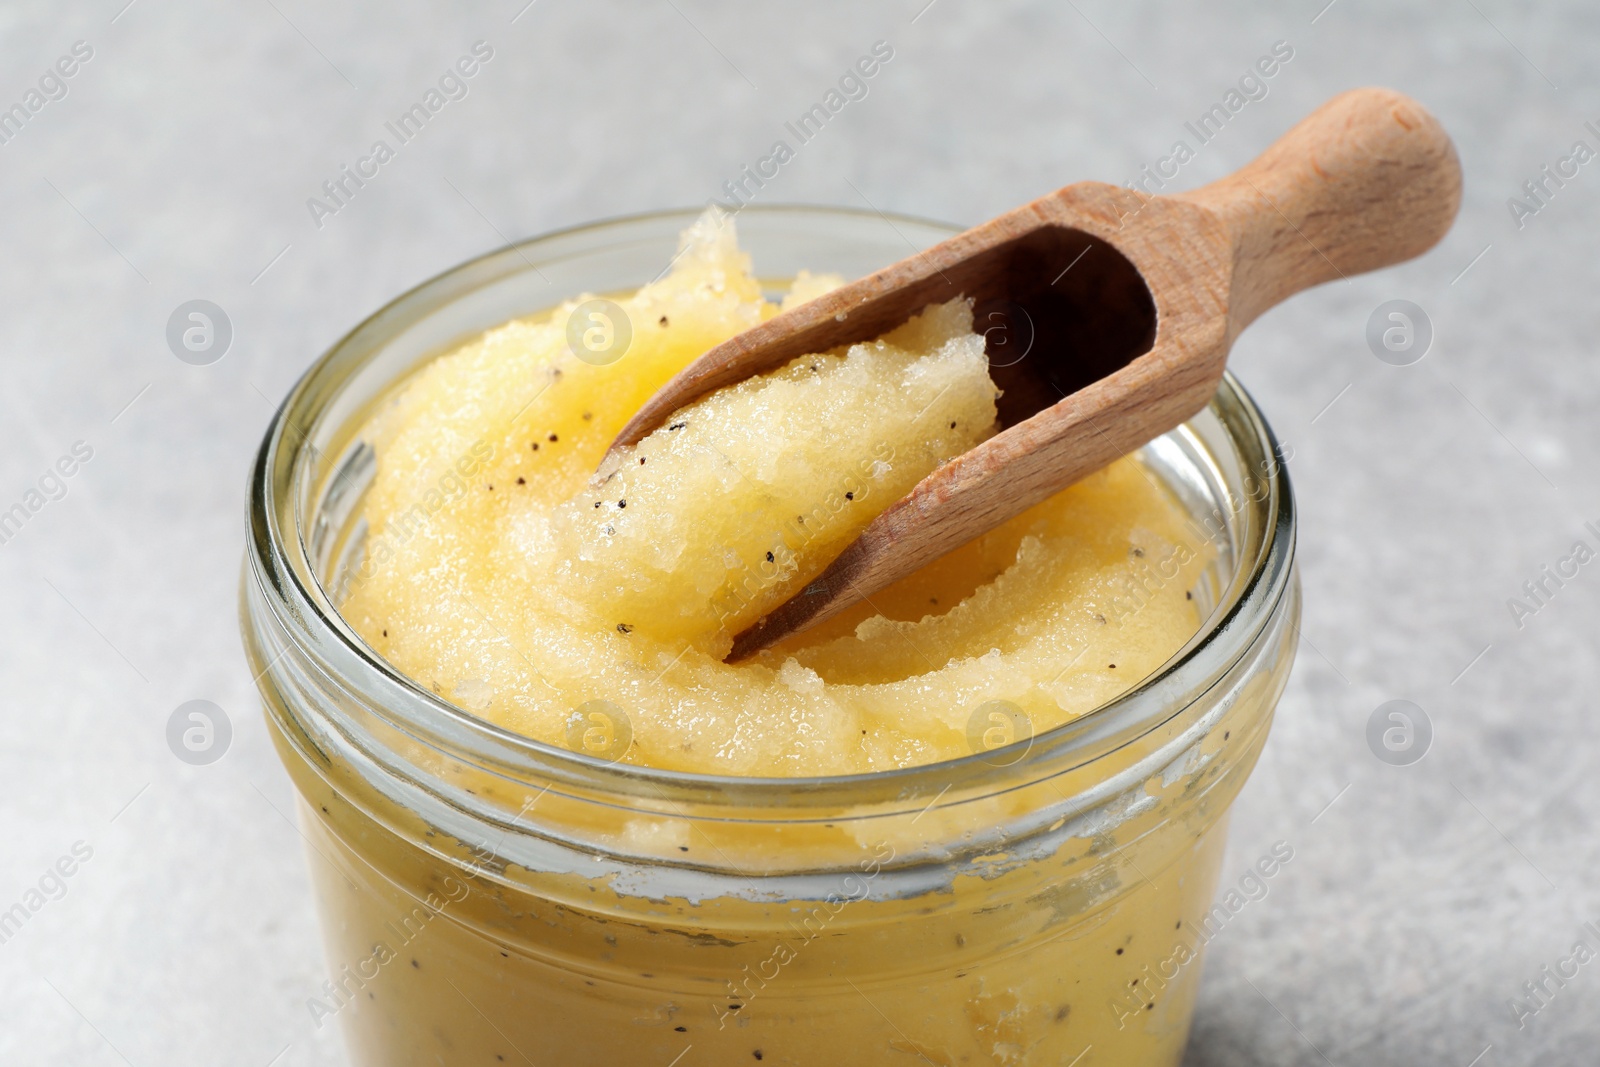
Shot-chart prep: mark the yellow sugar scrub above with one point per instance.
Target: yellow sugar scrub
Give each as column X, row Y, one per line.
column 978, row 820
column 523, row 591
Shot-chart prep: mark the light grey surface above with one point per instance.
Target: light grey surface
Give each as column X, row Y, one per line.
column 179, row 165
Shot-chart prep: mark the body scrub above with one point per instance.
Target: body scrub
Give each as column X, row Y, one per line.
column 531, row 589
column 976, row 821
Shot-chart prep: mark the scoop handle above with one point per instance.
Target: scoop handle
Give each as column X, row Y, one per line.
column 1367, row 180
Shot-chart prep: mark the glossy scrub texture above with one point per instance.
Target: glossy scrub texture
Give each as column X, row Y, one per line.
column 503, row 575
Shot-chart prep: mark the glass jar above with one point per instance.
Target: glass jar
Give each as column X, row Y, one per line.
column 490, row 899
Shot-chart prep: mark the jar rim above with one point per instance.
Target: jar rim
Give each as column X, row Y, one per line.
column 283, row 568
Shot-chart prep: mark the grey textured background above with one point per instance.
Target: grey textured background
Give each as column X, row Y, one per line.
column 179, row 165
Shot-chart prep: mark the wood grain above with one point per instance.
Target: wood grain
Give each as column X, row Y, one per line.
column 1135, row 301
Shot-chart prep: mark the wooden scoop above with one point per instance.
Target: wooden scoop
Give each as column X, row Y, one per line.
column 1125, row 305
